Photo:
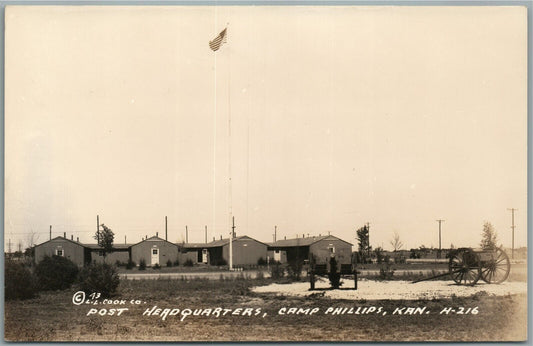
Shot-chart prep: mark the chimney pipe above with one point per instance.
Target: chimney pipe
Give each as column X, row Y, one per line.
column 78, row 239
column 157, row 234
column 72, row 237
column 166, row 229
column 64, row 234
column 285, row 237
column 50, row 232
column 213, row 238
column 221, row 237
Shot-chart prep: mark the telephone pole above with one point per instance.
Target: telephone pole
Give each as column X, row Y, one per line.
column 440, row 248
column 512, row 227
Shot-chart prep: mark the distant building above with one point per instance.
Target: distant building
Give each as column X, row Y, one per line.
column 321, row 247
column 246, row 251
column 154, row 251
column 61, row 246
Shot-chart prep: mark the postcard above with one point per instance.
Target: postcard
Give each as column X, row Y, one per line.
column 265, row 173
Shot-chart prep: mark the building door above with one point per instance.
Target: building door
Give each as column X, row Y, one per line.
column 204, row 256
column 277, row 256
column 155, row 256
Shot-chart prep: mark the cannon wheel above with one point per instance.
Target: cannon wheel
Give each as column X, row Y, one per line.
column 497, row 270
column 464, row 267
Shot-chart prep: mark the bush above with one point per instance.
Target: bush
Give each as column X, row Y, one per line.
column 156, row 266
column 188, row 263
column 55, row 273
column 130, row 264
column 142, row 264
column 386, row 272
column 294, row 270
column 261, row 262
column 99, row 278
column 276, row 271
column 169, row 263
column 176, row 262
column 19, row 281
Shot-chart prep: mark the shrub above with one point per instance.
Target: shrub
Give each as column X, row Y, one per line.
column 142, row 264
column 333, row 275
column 261, row 262
column 19, row 281
column 176, row 262
column 188, row 263
column 276, row 271
column 130, row 264
column 169, row 263
column 156, row 266
column 99, row 278
column 118, row 263
column 386, row 272
column 55, row 273
column 294, row 270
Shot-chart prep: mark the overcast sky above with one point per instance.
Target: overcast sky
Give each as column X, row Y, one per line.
column 397, row 116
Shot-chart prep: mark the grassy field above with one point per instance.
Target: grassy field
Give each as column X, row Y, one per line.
column 54, row 317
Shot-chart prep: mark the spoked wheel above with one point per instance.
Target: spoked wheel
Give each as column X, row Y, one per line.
column 464, row 267
column 497, row 269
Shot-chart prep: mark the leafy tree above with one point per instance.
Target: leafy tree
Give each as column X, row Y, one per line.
column 105, row 239
column 488, row 237
column 379, row 254
column 363, row 241
column 396, row 242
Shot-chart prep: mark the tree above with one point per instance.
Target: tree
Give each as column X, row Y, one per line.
column 363, row 241
column 396, row 242
column 105, row 239
column 488, row 237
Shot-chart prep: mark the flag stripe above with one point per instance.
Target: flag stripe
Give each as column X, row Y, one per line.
column 217, row 41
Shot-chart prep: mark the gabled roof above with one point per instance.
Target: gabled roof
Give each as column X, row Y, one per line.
column 154, row 238
column 62, row 239
column 217, row 243
column 304, row 241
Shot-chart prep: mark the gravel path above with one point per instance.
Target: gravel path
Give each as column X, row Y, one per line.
column 394, row 290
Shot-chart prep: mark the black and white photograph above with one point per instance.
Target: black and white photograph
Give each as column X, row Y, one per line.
column 255, row 173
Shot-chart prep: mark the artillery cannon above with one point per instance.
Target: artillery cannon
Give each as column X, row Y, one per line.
column 332, row 267
column 467, row 266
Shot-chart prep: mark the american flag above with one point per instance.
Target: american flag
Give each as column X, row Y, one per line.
column 217, row 41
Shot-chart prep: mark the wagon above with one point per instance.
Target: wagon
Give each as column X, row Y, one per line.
column 331, row 267
column 467, row 266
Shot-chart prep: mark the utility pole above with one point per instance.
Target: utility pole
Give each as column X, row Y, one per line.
column 98, row 229
column 9, row 246
column 512, row 227
column 186, row 235
column 368, row 228
column 50, row 232
column 231, row 243
column 440, row 221
column 166, row 229
column 206, row 234
column 275, row 233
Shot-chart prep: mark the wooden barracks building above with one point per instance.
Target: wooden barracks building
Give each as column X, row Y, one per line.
column 155, row 250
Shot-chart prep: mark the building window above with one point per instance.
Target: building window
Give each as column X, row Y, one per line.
column 331, row 249
column 59, row 252
column 154, row 251
column 100, row 253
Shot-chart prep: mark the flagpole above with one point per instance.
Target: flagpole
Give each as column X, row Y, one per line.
column 230, row 196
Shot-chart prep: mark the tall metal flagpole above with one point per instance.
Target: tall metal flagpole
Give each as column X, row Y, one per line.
column 229, row 164
column 215, row 45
